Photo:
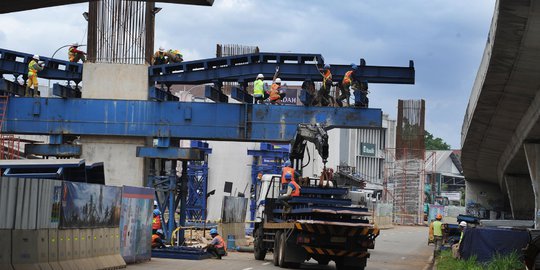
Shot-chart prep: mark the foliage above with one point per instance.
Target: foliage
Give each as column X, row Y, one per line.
column 511, row 261
column 434, row 143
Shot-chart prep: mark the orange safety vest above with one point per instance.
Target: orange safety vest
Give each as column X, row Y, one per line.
column 274, row 92
column 296, row 191
column 156, row 223
column 327, row 75
column 155, row 237
column 284, row 172
column 221, row 243
column 347, row 78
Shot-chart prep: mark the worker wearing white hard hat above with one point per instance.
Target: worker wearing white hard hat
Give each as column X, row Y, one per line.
column 259, row 95
column 74, row 54
column 456, row 247
column 33, row 68
column 275, row 97
column 159, row 57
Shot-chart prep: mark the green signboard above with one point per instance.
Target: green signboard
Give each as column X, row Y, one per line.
column 367, row 149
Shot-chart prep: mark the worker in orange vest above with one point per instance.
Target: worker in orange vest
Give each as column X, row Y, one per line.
column 293, row 190
column 157, row 239
column 287, row 168
column 217, row 246
column 156, row 221
column 75, row 55
column 324, row 92
column 348, row 80
column 33, row 68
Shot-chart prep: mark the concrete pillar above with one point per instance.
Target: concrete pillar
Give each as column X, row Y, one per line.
column 115, row 81
column 520, row 195
column 532, row 153
column 118, row 154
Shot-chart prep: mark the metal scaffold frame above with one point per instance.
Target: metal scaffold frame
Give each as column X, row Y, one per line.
column 196, row 204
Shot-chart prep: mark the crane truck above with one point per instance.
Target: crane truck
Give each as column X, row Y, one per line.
column 321, row 223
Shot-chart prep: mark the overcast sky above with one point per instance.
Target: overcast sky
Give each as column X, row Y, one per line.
column 445, row 39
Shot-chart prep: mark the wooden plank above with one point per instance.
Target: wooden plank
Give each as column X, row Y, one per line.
column 281, row 225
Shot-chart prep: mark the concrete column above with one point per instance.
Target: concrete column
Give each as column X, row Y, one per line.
column 118, row 153
column 520, row 195
column 532, row 153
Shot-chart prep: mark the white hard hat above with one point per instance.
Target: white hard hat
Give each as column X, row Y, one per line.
column 75, row 44
column 161, row 49
column 278, row 80
column 155, row 203
column 36, row 57
column 260, row 76
column 463, row 224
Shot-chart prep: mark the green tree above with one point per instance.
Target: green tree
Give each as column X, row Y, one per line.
column 434, row 143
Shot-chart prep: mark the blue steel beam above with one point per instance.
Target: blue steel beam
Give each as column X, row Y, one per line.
column 292, row 67
column 53, row 150
column 170, row 153
column 12, row 62
column 185, row 120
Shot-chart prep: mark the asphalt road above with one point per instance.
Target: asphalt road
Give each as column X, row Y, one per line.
column 401, row 248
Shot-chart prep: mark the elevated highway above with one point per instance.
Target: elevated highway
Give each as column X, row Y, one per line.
column 501, row 130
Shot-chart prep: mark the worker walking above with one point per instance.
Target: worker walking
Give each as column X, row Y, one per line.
column 293, row 190
column 437, row 234
column 33, row 68
column 174, row 56
column 74, row 54
column 160, row 57
column 156, row 221
column 217, row 246
column 258, row 90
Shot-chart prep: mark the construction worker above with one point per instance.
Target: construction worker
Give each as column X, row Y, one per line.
column 360, row 94
column 75, row 55
column 33, row 68
column 217, row 246
column 324, row 93
column 258, row 90
column 346, row 85
column 160, row 57
column 287, row 168
column 293, row 190
column 174, row 56
column 437, row 233
column 455, row 247
column 157, row 239
column 156, row 221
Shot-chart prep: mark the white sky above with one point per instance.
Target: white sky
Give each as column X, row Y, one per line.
column 445, row 38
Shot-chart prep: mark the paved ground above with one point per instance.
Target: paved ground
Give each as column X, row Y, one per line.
column 395, row 249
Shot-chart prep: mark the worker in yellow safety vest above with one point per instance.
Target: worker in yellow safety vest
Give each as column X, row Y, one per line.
column 175, row 56
column 33, row 68
column 259, row 94
column 74, row 54
column 437, row 233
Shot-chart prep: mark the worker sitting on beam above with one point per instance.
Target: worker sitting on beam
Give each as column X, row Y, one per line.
column 174, row 56
column 74, row 54
column 160, row 57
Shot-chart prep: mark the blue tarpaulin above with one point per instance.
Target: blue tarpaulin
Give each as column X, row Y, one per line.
column 484, row 243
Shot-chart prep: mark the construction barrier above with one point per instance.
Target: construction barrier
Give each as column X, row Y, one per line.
column 136, row 218
column 59, row 225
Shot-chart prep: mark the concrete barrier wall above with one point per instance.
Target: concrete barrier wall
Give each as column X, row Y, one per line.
column 30, row 236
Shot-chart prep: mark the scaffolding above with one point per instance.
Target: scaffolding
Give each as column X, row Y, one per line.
column 404, row 183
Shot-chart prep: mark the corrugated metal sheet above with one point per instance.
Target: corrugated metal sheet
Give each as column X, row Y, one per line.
column 234, row 209
column 8, row 199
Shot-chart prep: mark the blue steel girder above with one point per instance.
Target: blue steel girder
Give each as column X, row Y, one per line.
column 16, row 63
column 292, row 67
column 185, row 120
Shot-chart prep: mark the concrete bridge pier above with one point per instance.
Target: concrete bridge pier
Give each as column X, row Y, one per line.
column 520, row 196
column 532, row 153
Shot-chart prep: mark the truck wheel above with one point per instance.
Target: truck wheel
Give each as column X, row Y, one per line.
column 282, row 249
column 258, row 245
column 276, row 248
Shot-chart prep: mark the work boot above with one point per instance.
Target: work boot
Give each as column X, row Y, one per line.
column 36, row 92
